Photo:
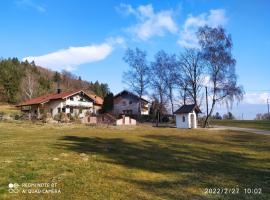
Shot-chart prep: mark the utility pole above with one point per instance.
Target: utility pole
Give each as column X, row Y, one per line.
column 206, row 97
column 268, row 109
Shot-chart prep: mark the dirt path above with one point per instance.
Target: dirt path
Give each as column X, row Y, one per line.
column 250, row 130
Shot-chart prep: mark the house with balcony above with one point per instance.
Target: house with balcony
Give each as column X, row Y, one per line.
column 75, row 103
column 128, row 103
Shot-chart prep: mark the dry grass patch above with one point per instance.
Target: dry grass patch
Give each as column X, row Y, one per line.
column 132, row 163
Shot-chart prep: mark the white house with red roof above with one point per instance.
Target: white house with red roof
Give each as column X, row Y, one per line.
column 71, row 102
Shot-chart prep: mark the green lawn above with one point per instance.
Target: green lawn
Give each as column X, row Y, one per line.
column 258, row 124
column 143, row 163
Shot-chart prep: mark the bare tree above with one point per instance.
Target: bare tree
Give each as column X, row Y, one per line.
column 182, row 89
column 261, row 116
column 137, row 75
column 192, row 71
column 170, row 75
column 29, row 84
column 157, row 81
column 216, row 50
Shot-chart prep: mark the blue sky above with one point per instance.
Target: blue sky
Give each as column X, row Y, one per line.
column 90, row 37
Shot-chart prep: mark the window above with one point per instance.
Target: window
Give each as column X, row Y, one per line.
column 80, row 111
column 81, row 99
column 184, row 119
column 130, row 102
column 51, row 111
column 127, row 112
column 59, row 110
column 71, row 99
column 71, row 110
column 124, row 103
column 63, row 110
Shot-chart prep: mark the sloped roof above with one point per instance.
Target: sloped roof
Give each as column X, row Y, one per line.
column 48, row 97
column 188, row 109
column 129, row 93
column 98, row 100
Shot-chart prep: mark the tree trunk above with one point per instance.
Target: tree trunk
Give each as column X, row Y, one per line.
column 171, row 99
column 157, row 118
column 208, row 115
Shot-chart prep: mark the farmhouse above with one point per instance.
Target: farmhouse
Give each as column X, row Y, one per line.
column 71, row 102
column 186, row 116
column 98, row 102
column 128, row 103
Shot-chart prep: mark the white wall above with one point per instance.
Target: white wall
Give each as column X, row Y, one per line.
column 76, row 101
column 55, row 104
column 126, row 121
column 122, row 103
column 187, row 122
column 179, row 121
column 195, row 120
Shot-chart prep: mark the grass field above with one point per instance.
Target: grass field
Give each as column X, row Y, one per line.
column 143, row 163
column 9, row 109
column 258, row 124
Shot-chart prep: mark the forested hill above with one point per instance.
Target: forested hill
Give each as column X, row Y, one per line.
column 20, row 81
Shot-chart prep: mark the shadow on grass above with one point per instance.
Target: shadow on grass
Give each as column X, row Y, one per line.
column 252, row 141
column 176, row 156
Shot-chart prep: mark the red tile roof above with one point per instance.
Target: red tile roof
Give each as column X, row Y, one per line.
column 98, row 100
column 48, row 97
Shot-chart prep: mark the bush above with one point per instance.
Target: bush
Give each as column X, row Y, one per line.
column 61, row 117
column 165, row 119
column 17, row 117
column 46, row 117
column 1, row 116
column 74, row 118
column 57, row 117
column 146, row 118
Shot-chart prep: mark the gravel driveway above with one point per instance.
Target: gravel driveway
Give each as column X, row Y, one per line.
column 250, row 130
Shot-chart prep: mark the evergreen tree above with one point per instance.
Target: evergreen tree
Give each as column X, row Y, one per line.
column 11, row 73
column 107, row 103
column 56, row 77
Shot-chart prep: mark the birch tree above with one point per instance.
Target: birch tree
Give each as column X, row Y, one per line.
column 216, row 47
column 29, row 84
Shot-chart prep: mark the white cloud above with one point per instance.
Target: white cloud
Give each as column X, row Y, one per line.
column 206, row 81
column 256, row 98
column 149, row 23
column 72, row 57
column 30, row 4
column 188, row 37
column 125, row 9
